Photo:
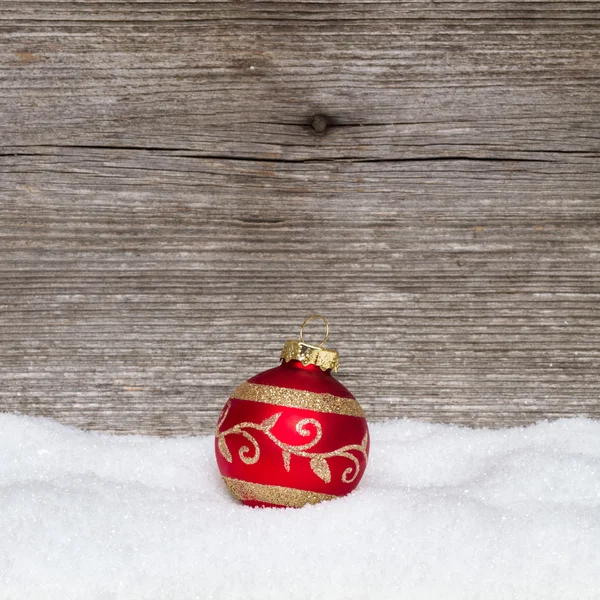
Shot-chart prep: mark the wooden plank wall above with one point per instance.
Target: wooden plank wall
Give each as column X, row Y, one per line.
column 182, row 182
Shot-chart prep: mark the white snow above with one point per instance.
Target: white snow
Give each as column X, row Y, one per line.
column 442, row 513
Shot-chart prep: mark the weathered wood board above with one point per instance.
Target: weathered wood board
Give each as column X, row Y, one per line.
column 170, row 209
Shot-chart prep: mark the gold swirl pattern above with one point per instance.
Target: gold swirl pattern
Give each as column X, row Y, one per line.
column 272, row 394
column 318, row 460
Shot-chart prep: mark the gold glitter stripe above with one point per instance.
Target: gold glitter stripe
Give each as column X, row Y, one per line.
column 271, row 394
column 273, row 494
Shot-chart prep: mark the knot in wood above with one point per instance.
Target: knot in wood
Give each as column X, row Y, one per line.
column 319, row 123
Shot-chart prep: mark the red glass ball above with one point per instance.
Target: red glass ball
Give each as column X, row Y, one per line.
column 291, row 435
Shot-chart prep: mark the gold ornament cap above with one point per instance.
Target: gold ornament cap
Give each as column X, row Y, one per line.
column 307, row 354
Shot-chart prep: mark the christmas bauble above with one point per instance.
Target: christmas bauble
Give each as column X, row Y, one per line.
column 293, row 435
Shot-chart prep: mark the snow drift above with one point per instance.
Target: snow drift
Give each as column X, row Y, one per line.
column 442, row 512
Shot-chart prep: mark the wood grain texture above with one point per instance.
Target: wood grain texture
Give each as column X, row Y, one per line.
column 170, row 210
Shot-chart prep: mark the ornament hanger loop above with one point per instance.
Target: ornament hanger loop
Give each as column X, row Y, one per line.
column 326, row 328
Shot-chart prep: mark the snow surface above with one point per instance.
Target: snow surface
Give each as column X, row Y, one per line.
column 443, row 513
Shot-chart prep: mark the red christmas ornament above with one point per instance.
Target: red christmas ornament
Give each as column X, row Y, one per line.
column 293, row 435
